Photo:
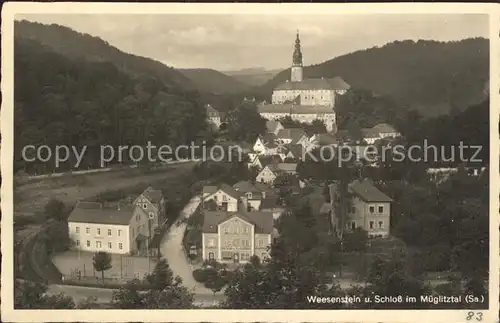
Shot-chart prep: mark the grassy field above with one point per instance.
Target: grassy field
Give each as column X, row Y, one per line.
column 32, row 197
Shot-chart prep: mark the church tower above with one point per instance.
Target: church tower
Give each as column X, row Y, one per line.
column 296, row 75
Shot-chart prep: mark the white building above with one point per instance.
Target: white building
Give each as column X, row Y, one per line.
column 305, row 100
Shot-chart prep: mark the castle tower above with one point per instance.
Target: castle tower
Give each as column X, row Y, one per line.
column 296, row 75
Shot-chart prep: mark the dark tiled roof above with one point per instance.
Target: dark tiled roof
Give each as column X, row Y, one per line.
column 154, row 196
column 246, row 186
column 366, row 191
column 269, row 203
column 384, row 128
column 291, row 133
column 295, row 149
column 336, row 83
column 325, row 139
column 283, row 167
column 85, row 212
column 272, row 125
column 223, row 187
column 294, row 109
column 269, row 159
column 211, row 111
column 263, row 221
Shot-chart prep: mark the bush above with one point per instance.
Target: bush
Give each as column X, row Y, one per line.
column 200, row 275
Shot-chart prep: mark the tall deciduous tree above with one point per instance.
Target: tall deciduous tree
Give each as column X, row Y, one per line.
column 102, row 262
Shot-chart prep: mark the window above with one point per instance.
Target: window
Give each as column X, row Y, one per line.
column 224, row 198
column 226, row 230
column 247, row 243
column 110, row 245
column 372, row 209
column 87, row 230
column 353, row 225
column 249, row 195
column 98, row 231
column 119, row 232
column 260, row 242
column 236, row 243
column 371, row 224
column 109, row 232
column 246, row 229
column 144, row 206
column 120, row 246
column 77, row 229
column 77, row 243
column 380, row 224
column 98, row 244
column 380, row 209
column 211, row 256
column 353, row 209
column 88, row 243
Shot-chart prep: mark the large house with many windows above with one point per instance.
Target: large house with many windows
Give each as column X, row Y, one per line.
column 370, row 209
column 234, row 237
column 125, row 229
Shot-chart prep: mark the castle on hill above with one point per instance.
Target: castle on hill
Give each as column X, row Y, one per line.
column 304, row 100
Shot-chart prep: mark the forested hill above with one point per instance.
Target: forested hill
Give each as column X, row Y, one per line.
column 212, row 81
column 433, row 77
column 71, row 100
column 75, row 45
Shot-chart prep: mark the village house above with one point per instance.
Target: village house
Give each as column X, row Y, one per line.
column 370, row 209
column 274, row 126
column 322, row 140
column 225, row 197
column 293, row 136
column 234, row 237
column 252, row 194
column 270, row 204
column 269, row 173
column 380, row 131
column 262, row 161
column 214, row 117
column 294, row 152
column 266, row 145
column 125, row 229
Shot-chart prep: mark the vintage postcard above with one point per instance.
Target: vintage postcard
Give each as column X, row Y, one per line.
column 250, row 162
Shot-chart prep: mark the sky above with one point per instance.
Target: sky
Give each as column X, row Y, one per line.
column 233, row 42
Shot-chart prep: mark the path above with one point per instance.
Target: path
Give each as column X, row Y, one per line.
column 172, row 250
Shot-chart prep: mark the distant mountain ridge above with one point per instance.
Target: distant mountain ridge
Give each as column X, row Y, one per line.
column 433, row 77
column 73, row 44
column 212, row 81
column 253, row 76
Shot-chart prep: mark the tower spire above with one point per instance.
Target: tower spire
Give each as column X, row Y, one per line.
column 297, row 53
column 296, row 72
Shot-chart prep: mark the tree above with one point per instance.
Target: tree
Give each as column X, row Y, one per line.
column 356, row 240
column 215, row 282
column 255, row 261
column 30, row 295
column 56, row 210
column 245, row 123
column 102, row 262
column 162, row 276
column 173, row 296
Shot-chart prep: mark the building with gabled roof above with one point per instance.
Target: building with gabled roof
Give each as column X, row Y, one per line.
column 370, row 209
column 304, row 99
column 274, row 126
column 225, row 197
column 125, row 229
column 234, row 237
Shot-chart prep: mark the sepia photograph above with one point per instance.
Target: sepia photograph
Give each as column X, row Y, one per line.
column 212, row 158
